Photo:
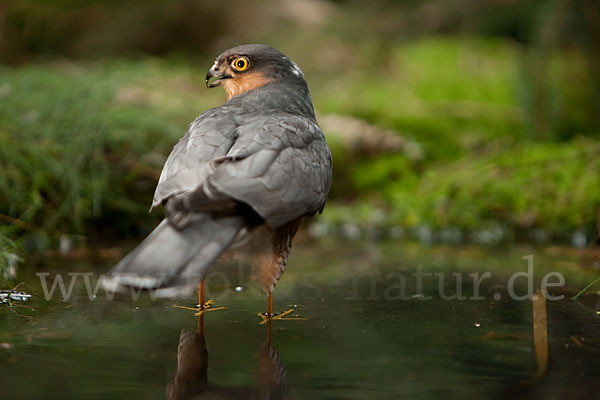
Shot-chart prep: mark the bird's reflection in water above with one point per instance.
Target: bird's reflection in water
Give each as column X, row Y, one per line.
column 190, row 381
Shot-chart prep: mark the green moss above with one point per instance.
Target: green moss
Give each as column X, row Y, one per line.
column 522, row 186
column 451, row 95
column 81, row 146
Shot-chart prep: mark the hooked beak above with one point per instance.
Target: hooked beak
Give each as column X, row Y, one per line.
column 214, row 73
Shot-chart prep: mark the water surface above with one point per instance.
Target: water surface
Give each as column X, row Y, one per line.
column 372, row 331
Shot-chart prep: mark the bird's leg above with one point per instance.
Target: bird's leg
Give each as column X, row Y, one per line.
column 269, row 316
column 270, row 305
column 203, row 305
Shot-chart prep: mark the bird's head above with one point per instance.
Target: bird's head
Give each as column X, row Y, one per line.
column 247, row 67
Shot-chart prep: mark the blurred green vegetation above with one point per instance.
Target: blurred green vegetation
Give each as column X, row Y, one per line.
column 502, row 100
column 82, row 145
column 486, row 164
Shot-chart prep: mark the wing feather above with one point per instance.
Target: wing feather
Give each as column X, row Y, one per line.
column 287, row 173
column 278, row 164
column 210, row 136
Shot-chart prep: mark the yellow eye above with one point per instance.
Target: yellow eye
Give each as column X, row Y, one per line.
column 240, row 64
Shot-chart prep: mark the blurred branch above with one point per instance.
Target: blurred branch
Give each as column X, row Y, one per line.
column 16, row 221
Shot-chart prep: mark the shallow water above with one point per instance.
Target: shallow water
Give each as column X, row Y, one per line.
column 371, row 331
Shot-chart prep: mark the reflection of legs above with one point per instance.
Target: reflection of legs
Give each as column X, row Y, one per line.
column 201, row 323
column 272, row 379
column 191, row 378
column 202, row 304
column 268, row 338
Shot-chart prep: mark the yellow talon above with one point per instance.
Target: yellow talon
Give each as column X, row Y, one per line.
column 185, row 308
column 279, row 317
column 209, row 309
column 201, row 309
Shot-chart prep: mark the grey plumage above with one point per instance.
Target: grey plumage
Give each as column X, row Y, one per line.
column 170, row 261
column 260, row 158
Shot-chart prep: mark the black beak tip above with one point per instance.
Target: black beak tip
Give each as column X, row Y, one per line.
column 218, row 79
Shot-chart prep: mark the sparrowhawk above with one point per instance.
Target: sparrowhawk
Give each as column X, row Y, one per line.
column 239, row 181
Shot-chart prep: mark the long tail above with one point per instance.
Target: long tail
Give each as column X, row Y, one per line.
column 161, row 263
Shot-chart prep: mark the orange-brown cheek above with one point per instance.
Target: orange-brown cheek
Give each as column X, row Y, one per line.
column 243, row 83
